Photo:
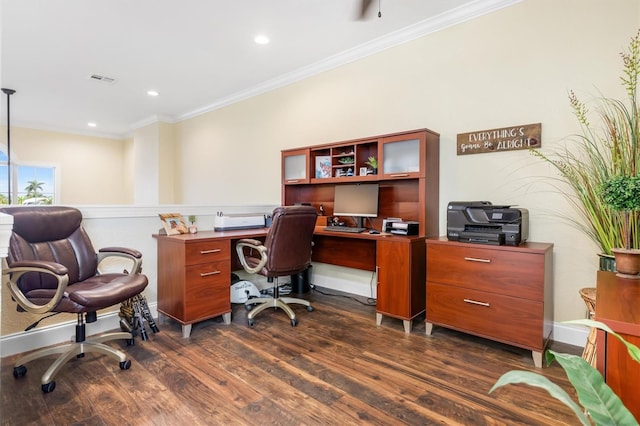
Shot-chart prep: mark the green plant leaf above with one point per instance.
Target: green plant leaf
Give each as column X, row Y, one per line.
column 538, row 380
column 597, row 398
column 633, row 350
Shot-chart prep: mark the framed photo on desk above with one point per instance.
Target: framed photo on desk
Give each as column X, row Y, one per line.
column 173, row 223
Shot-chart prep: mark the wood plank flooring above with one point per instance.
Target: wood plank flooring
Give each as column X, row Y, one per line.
column 335, row 367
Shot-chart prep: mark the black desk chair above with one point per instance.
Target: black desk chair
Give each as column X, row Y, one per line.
column 285, row 251
column 54, row 268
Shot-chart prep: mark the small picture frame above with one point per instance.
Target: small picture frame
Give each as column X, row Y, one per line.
column 363, row 171
column 323, row 166
column 173, row 223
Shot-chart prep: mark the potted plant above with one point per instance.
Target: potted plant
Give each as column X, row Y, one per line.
column 622, row 194
column 599, row 402
column 373, row 162
column 606, row 147
column 192, row 228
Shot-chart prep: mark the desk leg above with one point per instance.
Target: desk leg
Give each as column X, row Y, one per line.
column 226, row 318
column 537, row 358
column 428, row 328
column 186, row 330
column 378, row 318
column 407, row 326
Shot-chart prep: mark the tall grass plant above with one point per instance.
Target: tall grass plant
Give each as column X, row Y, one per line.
column 603, row 149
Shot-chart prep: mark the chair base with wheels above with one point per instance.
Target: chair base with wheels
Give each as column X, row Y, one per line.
column 258, row 304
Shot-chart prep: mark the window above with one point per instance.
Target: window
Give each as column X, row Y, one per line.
column 29, row 184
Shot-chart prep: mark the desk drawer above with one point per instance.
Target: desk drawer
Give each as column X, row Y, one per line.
column 207, row 290
column 207, row 251
column 510, row 273
column 507, row 319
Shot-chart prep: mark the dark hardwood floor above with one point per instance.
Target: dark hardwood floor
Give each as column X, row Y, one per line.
column 335, row 367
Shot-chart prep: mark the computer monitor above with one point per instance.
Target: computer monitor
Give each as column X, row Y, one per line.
column 358, row 201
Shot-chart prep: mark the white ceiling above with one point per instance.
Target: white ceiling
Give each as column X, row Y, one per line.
column 198, row 54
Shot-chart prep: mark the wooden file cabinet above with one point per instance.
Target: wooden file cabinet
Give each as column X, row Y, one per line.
column 617, row 301
column 503, row 293
column 193, row 279
column 401, row 275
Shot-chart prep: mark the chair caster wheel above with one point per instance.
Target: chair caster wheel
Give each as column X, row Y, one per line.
column 19, row 371
column 294, row 322
column 48, row 387
column 248, row 307
column 251, row 322
column 125, row 365
column 309, row 308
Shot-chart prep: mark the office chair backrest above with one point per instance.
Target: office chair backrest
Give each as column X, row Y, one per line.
column 54, row 234
column 289, row 240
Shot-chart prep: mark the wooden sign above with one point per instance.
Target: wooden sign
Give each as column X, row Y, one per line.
column 513, row 138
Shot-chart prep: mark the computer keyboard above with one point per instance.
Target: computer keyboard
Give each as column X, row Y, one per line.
column 351, row 229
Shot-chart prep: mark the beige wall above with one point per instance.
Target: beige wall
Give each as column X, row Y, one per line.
column 91, row 169
column 510, row 67
column 513, row 66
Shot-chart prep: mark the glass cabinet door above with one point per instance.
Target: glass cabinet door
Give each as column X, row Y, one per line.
column 403, row 156
column 295, row 167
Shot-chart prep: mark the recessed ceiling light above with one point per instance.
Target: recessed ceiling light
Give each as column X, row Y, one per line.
column 91, row 124
column 152, row 93
column 261, row 39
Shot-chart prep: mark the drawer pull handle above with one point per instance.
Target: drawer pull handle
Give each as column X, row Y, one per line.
column 475, row 259
column 210, row 251
column 475, row 302
column 206, row 274
column 399, row 175
column 293, row 180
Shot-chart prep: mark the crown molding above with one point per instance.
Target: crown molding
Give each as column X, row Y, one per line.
column 437, row 23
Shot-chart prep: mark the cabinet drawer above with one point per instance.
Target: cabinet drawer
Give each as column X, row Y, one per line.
column 506, row 319
column 207, row 290
column 207, row 251
column 510, row 273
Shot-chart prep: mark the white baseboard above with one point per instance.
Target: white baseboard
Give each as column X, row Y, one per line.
column 26, row 341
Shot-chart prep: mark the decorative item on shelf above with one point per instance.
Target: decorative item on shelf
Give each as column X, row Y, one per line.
column 349, row 171
column 346, row 160
column 323, row 166
column 192, row 228
column 622, row 194
column 607, row 147
column 173, row 223
column 373, row 162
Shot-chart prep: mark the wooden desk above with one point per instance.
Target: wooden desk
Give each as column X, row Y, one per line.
column 397, row 260
column 194, row 274
column 194, row 271
column 617, row 301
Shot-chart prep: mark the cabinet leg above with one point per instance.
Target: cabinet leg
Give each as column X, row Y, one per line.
column 537, row 358
column 378, row 318
column 407, row 326
column 186, row 330
column 226, row 318
column 428, row 328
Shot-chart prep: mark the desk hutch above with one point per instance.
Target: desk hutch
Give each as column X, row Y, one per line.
column 408, row 179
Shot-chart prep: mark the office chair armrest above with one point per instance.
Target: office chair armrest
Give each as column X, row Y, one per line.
column 130, row 254
column 254, row 245
column 58, row 271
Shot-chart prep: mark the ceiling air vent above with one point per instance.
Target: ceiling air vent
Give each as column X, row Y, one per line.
column 102, row 78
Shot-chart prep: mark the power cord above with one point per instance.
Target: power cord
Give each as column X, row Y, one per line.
column 370, row 301
column 35, row 324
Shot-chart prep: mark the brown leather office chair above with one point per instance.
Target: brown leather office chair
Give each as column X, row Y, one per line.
column 52, row 267
column 285, row 251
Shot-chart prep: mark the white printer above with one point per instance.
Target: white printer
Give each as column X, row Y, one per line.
column 227, row 222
